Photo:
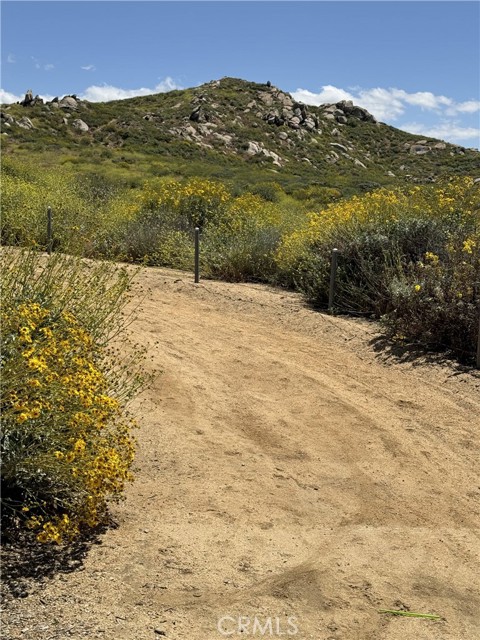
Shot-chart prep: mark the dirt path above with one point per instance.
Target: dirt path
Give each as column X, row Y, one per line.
column 285, row 474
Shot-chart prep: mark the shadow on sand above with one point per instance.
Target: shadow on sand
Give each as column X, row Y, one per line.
column 394, row 351
column 26, row 563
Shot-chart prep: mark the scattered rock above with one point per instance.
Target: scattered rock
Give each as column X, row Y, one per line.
column 339, row 146
column 80, row 125
column 253, row 148
column 7, row 118
column 285, row 99
column 358, row 163
column 25, row 123
column 419, row 149
column 206, row 128
column 226, row 139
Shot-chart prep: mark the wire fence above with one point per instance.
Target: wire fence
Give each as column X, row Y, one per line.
column 332, row 307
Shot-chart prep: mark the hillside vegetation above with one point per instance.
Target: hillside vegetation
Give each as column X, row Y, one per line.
column 233, row 130
column 274, row 187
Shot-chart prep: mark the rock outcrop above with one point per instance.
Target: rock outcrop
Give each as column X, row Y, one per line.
column 30, row 101
column 258, row 123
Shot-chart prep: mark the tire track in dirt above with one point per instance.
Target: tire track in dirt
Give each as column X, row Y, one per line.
column 283, row 470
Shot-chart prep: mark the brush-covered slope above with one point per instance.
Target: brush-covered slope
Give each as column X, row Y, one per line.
column 227, row 126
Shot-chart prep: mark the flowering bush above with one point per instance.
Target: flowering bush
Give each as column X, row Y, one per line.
column 386, row 240
column 384, row 237
column 241, row 244
column 26, row 195
column 194, row 202
column 437, row 300
column 66, row 444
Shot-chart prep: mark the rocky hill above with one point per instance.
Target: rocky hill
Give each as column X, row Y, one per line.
column 230, row 122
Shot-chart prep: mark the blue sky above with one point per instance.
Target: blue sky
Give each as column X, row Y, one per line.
column 414, row 65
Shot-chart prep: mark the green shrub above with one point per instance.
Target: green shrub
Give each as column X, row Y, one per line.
column 241, row 244
column 436, row 300
column 386, row 240
column 269, row 191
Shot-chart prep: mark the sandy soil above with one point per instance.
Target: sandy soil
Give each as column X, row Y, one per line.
column 287, row 473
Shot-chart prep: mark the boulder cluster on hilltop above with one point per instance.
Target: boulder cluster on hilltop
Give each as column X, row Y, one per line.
column 257, row 123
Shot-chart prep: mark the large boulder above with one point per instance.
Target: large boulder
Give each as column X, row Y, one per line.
column 309, row 123
column 350, row 109
column 28, row 101
column 68, row 102
column 294, row 123
column 253, row 148
column 80, row 125
column 199, row 115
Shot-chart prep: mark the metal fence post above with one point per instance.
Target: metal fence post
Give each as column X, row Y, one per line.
column 49, row 231
column 333, row 276
column 197, row 254
column 478, row 344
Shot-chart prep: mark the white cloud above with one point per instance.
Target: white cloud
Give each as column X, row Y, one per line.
column 470, row 106
column 107, row 92
column 423, row 99
column 450, row 131
column 40, row 65
column 8, row 98
column 384, row 104
column 88, row 67
column 11, row 58
column 388, row 104
column 328, row 94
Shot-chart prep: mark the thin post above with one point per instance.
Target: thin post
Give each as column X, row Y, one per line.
column 333, row 277
column 197, row 254
column 478, row 344
column 49, row 231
